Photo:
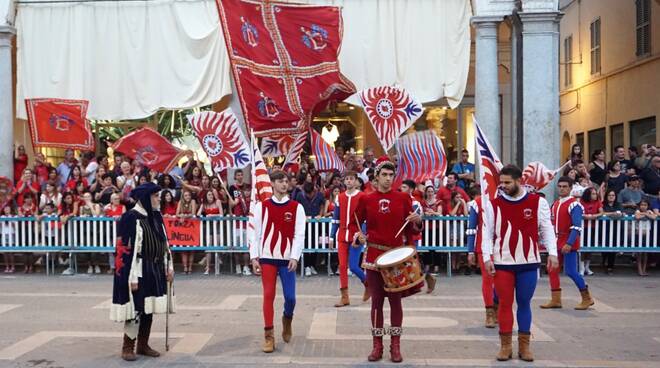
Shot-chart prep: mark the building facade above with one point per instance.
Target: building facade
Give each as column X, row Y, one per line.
column 609, row 74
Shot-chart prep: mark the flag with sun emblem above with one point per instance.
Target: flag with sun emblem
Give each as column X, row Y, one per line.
column 391, row 110
column 221, row 138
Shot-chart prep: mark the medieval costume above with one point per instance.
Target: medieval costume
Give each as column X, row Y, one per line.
column 279, row 236
column 513, row 229
column 473, row 232
column 385, row 213
column 344, row 228
column 143, row 257
column 567, row 220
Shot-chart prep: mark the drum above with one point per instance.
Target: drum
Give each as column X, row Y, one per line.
column 400, row 269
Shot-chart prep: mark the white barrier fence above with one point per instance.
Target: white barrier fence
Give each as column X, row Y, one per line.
column 227, row 234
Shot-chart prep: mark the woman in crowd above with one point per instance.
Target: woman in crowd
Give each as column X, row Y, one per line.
column 576, row 154
column 168, row 205
column 75, row 178
column 598, row 167
column 28, row 209
column 167, row 183
column 210, row 207
column 187, row 208
column 50, row 195
column 26, row 186
column 89, row 209
column 431, row 207
column 615, row 179
column 593, row 209
column 645, row 218
column 8, row 232
column 114, row 209
column 126, row 182
column 613, row 210
column 68, row 208
column 193, row 181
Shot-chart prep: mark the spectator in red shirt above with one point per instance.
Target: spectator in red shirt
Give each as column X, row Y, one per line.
column 27, row 185
column 444, row 193
column 20, row 162
column 593, row 209
column 41, row 168
column 168, row 205
column 75, row 178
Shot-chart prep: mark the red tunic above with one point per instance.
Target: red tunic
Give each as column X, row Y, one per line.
column 347, row 223
column 385, row 214
column 562, row 221
column 444, row 196
column 516, row 230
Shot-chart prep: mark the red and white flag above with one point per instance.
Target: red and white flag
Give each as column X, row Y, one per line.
column 536, row 175
column 292, row 160
column 391, row 110
column 421, row 156
column 262, row 188
column 59, row 123
column 489, row 165
column 150, row 149
column 221, row 138
column 326, row 157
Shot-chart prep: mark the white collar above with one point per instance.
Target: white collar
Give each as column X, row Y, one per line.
column 139, row 209
column 351, row 195
column 522, row 194
column 562, row 200
column 283, row 200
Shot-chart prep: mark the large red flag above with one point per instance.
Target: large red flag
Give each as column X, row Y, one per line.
column 150, row 149
column 284, row 61
column 59, row 123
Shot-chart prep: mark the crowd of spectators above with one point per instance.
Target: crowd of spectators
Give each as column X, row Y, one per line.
column 91, row 185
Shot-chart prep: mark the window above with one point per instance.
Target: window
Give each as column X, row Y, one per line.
column 642, row 131
column 568, row 57
column 597, row 140
column 595, row 46
column 579, row 140
column 643, row 27
column 616, row 135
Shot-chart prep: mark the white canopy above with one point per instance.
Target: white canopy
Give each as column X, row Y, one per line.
column 130, row 59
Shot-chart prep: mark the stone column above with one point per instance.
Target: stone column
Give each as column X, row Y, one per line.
column 487, row 100
column 6, row 106
column 540, row 78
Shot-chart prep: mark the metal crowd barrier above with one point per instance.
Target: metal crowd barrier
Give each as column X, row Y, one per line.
column 226, row 234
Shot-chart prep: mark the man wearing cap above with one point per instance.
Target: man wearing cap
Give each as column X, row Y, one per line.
column 385, row 212
column 143, row 269
column 630, row 196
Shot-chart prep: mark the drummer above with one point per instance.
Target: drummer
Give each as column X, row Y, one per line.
column 385, row 212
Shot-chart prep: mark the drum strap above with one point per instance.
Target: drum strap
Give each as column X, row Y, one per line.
column 384, row 248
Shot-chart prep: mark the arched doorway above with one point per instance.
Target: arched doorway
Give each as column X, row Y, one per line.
column 565, row 145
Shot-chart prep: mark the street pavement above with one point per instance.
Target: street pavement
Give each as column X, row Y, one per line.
column 60, row 321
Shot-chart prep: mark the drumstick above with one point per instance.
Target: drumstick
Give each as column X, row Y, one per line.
column 401, row 229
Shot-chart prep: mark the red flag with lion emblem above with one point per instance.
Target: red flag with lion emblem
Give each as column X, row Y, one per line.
column 59, row 123
column 150, row 149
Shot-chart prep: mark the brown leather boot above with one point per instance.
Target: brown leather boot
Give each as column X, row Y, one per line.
column 127, row 349
column 490, row 317
column 430, row 283
column 366, row 294
column 144, row 331
column 555, row 300
column 506, row 350
column 269, row 341
column 496, row 308
column 587, row 301
column 377, row 350
column 395, row 345
column 344, row 301
column 523, row 347
column 287, row 332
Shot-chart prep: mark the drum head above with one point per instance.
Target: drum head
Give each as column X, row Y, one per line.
column 394, row 256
